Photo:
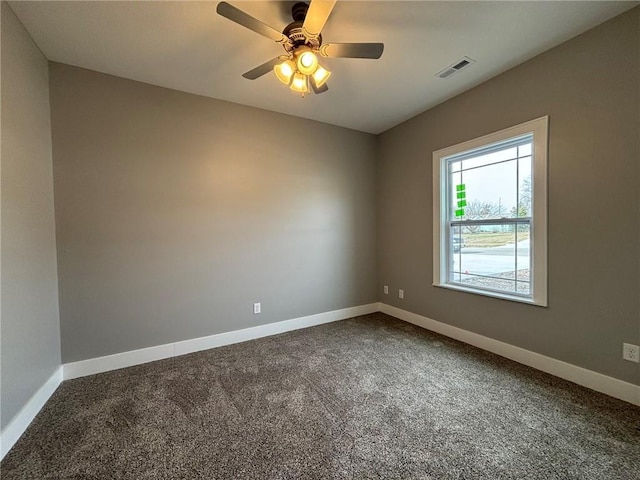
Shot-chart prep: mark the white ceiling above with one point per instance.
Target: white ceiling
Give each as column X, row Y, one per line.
column 187, row 46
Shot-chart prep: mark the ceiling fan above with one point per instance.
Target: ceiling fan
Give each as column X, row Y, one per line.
column 298, row 67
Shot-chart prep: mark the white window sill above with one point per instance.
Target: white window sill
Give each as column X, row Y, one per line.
column 489, row 293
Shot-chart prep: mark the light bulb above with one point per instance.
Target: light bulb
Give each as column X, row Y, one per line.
column 284, row 71
column 307, row 61
column 320, row 76
column 299, row 83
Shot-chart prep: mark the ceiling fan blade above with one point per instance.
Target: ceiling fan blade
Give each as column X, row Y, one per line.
column 317, row 15
column 260, row 70
column 352, row 50
column 317, row 90
column 236, row 15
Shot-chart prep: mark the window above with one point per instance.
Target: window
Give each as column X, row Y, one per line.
column 490, row 214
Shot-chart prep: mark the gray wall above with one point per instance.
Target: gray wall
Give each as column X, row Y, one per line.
column 590, row 87
column 175, row 212
column 30, row 322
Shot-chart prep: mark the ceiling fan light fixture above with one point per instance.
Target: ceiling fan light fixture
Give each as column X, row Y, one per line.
column 284, row 71
column 302, row 41
column 299, row 83
column 321, row 75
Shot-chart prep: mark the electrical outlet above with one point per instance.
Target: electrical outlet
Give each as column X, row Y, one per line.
column 256, row 308
column 400, row 293
column 631, row 352
column 385, row 289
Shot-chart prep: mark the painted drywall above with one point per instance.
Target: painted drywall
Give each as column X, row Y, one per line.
column 175, row 213
column 29, row 326
column 590, row 88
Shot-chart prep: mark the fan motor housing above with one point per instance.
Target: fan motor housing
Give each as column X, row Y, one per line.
column 293, row 31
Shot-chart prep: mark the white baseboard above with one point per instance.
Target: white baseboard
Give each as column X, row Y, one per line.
column 116, row 361
column 587, row 378
column 25, row 416
column 144, row 355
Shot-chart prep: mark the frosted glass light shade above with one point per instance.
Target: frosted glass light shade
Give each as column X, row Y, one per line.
column 284, row 71
column 321, row 75
column 299, row 83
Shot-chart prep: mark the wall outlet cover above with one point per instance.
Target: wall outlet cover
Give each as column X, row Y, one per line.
column 385, row 289
column 631, row 352
column 401, row 293
column 256, row 308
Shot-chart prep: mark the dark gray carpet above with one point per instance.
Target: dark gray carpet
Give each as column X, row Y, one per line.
column 370, row 397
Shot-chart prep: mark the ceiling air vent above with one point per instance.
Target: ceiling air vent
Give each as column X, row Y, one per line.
column 455, row 67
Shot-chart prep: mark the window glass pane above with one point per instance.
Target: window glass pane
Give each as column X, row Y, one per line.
column 490, row 192
column 524, row 187
column 482, row 160
column 523, row 259
column 494, row 257
column 524, row 150
column 457, row 196
column 456, row 244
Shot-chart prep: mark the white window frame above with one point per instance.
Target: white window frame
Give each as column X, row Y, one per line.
column 538, row 226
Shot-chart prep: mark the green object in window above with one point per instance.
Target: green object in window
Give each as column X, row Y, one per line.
column 460, row 212
column 460, row 187
column 462, row 203
column 461, row 194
